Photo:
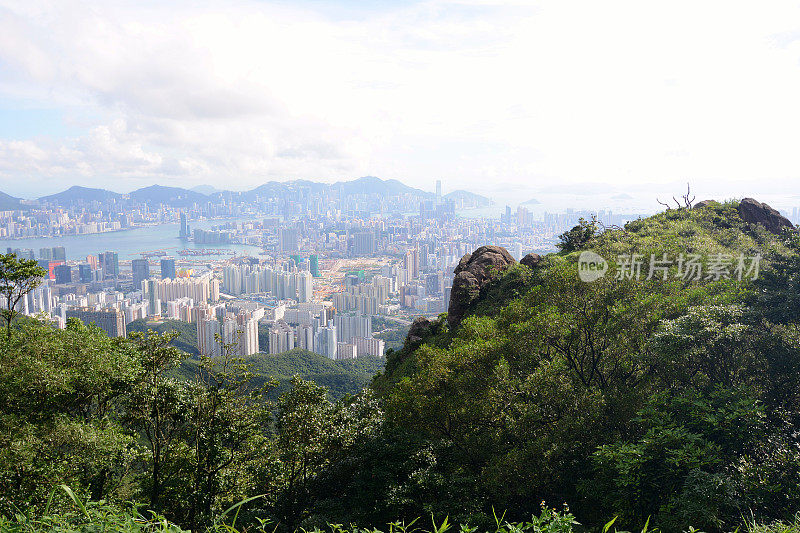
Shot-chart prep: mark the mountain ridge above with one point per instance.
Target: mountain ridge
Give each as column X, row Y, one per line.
column 185, row 197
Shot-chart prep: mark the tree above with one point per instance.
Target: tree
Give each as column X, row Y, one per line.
column 157, row 404
column 577, row 237
column 59, row 393
column 18, row 277
column 225, row 415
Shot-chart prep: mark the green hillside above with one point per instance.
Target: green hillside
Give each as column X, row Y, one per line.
column 665, row 397
column 187, row 332
column 339, row 377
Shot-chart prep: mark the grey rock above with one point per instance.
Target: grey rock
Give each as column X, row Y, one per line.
column 531, row 260
column 473, row 272
column 418, row 330
column 754, row 212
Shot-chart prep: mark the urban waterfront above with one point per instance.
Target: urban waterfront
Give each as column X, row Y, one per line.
column 128, row 243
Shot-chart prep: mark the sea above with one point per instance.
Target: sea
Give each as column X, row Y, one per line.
column 130, row 243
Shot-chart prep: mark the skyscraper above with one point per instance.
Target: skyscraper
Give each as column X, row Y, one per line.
column 438, row 192
column 85, row 273
column 305, row 287
column 63, row 273
column 112, row 321
column 208, row 327
column 184, row 231
column 364, row 243
column 141, row 271
column 109, row 262
column 288, row 240
column 313, row 265
column 168, row 268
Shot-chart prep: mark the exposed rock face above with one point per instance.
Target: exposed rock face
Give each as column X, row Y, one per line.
column 754, row 212
column 703, row 204
column 531, row 260
column 471, row 274
column 419, row 328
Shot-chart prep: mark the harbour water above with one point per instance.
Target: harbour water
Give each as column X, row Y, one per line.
column 129, row 244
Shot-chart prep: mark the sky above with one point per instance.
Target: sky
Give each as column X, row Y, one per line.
column 499, row 97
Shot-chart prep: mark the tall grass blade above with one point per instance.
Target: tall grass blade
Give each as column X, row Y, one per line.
column 75, row 499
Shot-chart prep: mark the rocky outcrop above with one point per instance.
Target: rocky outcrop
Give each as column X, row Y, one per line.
column 531, row 260
column 754, row 212
column 419, row 329
column 704, row 203
column 473, row 272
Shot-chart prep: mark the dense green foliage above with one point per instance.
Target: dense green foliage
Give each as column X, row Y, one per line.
column 665, row 398
column 186, row 340
column 339, row 377
column 670, row 401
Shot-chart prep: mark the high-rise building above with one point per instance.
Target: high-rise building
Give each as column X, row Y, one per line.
column 305, row 337
column 181, row 309
column 141, row 271
column 516, row 250
column 168, row 268
column 63, row 273
column 59, row 253
column 109, row 262
column 305, row 287
column 240, row 334
column 112, row 321
column 325, row 341
column 313, row 265
column 433, row 283
column 208, row 331
column 345, row 350
column 438, row 192
column 411, row 264
column 349, row 326
column 85, row 273
column 281, row 337
column 364, row 243
column 367, row 346
column 184, row 231
column 151, row 292
column 288, row 240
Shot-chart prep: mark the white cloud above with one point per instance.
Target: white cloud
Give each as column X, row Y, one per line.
column 473, row 92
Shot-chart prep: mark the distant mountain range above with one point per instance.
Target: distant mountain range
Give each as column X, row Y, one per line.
column 174, row 196
column 180, row 197
column 462, row 197
column 10, row 203
column 205, row 189
column 76, row 194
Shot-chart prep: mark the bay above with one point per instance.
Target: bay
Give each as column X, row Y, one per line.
column 129, row 244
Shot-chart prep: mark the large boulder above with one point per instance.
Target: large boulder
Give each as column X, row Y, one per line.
column 419, row 329
column 754, row 212
column 703, row 203
column 473, row 272
column 531, row 260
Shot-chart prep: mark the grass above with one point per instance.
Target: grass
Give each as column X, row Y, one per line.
column 90, row 516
